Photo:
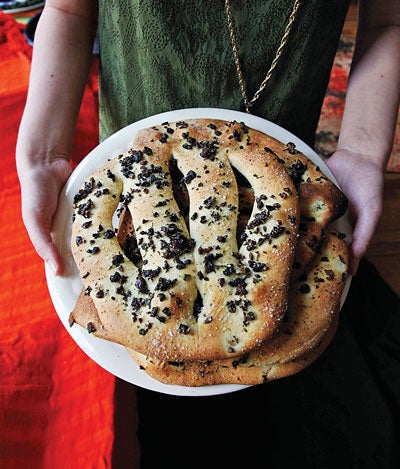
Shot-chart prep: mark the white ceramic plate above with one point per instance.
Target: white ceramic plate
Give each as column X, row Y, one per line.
column 64, row 290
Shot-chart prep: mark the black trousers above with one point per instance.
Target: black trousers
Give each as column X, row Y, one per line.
column 341, row 412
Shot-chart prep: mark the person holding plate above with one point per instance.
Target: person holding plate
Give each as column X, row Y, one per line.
column 271, row 59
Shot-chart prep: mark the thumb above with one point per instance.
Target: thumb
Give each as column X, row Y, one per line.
column 362, row 236
column 43, row 244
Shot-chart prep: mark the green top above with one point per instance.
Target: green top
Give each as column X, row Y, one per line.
column 160, row 55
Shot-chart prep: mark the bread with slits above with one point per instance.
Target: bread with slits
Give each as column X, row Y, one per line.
column 192, row 293
column 308, row 328
column 321, row 200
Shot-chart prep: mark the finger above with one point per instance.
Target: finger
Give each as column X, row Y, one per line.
column 47, row 250
column 39, row 234
column 362, row 236
column 54, row 259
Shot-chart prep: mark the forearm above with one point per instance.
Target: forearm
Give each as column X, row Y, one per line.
column 372, row 98
column 61, row 60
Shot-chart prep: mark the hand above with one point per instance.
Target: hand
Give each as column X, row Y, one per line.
column 361, row 179
column 40, row 188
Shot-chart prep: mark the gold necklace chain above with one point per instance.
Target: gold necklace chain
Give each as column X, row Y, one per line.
column 248, row 103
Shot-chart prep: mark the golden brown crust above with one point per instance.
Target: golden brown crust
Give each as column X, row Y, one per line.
column 153, row 305
column 310, row 326
column 207, row 374
column 85, row 314
column 321, row 201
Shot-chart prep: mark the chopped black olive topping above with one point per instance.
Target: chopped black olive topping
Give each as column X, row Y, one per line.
column 178, row 243
column 164, row 284
column 161, row 203
column 291, row 148
column 296, row 171
column 241, row 360
column 109, row 234
column 151, row 273
column 189, row 177
column 209, row 150
column 87, row 189
column 90, row 327
column 117, row 260
column 248, row 317
column 154, row 311
column 259, row 219
column 236, row 135
column 94, row 250
column 258, row 266
column 137, row 303
column 304, row 288
column 151, row 175
column 141, row 284
column 118, row 278
column 209, row 261
column 229, row 270
column 277, row 230
column 209, row 202
column 86, row 208
column 330, row 275
column 110, row 175
column 184, row 329
column 240, row 284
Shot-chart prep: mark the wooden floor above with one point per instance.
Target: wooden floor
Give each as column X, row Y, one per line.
column 384, row 251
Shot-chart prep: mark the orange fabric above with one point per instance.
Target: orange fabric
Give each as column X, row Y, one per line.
column 56, row 405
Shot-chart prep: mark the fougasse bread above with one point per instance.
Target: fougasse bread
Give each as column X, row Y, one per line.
column 193, row 292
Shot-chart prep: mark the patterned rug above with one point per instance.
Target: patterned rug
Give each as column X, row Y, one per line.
column 332, row 110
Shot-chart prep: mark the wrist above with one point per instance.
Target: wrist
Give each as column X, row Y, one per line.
column 360, row 155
